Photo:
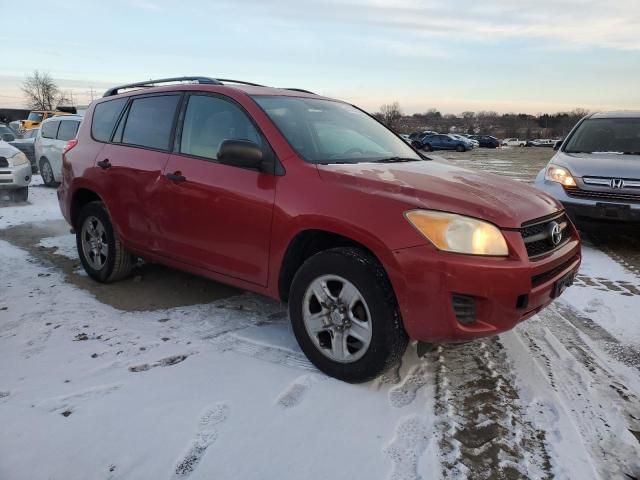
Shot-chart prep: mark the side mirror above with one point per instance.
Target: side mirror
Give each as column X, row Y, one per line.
column 8, row 137
column 240, row 153
column 557, row 145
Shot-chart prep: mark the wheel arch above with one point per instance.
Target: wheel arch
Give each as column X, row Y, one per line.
column 80, row 198
column 307, row 243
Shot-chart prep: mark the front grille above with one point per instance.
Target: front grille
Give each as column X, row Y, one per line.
column 537, row 235
column 549, row 274
column 593, row 195
column 4, row 163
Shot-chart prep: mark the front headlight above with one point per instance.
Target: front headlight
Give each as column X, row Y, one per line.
column 19, row 159
column 560, row 175
column 457, row 233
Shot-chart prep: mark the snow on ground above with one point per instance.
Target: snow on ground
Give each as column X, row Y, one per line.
column 221, row 390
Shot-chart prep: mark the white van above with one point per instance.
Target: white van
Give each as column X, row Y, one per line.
column 54, row 134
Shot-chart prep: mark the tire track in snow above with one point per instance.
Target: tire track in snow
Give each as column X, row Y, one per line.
column 605, row 412
column 484, row 429
column 206, row 435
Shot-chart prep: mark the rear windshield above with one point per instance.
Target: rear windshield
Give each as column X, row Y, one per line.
column 68, row 129
column 105, row 117
column 35, row 116
column 323, row 131
column 606, row 135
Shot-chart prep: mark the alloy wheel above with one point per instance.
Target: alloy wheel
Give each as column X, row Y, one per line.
column 337, row 318
column 94, row 242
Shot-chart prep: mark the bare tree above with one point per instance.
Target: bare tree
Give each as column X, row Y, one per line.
column 390, row 114
column 41, row 92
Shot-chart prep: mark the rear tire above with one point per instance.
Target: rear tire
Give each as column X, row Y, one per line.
column 460, row 148
column 367, row 309
column 99, row 248
column 47, row 173
column 21, row 194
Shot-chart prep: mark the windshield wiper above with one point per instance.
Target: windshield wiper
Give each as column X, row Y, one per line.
column 397, row 160
column 631, row 153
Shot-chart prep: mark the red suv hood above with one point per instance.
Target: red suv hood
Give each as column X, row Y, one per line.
column 441, row 186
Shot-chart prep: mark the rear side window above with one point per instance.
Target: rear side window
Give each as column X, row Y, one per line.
column 209, row 121
column 104, row 119
column 50, row 129
column 150, row 120
column 68, row 130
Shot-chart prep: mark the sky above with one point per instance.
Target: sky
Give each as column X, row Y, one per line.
column 454, row 55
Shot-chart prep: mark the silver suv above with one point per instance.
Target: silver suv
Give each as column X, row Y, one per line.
column 596, row 172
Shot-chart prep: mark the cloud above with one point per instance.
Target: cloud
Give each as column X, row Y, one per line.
column 561, row 23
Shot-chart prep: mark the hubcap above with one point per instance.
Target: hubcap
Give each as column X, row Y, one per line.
column 337, row 318
column 94, row 242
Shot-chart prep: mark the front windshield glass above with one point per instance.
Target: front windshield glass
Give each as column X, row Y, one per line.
column 323, row 131
column 35, row 117
column 614, row 135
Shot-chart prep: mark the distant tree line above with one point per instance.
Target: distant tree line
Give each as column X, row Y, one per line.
column 520, row 125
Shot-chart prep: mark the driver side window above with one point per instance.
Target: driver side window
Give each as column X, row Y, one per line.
column 209, row 121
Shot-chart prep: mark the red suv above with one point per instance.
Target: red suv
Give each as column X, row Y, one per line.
column 314, row 202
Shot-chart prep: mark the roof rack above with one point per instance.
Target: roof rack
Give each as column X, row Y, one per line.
column 201, row 80
column 153, row 83
column 241, row 82
column 300, row 90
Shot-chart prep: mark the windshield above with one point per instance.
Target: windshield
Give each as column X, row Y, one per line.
column 614, row 135
column 323, row 131
column 35, row 116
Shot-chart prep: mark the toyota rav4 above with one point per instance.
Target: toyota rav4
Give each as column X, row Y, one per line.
column 314, row 202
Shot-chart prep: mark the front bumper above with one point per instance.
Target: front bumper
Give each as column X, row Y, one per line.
column 15, row 177
column 582, row 210
column 506, row 291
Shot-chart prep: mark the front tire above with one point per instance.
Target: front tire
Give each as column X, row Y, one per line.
column 460, row 148
column 345, row 315
column 99, row 248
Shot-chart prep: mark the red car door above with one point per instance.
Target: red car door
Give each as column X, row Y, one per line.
column 216, row 216
column 133, row 165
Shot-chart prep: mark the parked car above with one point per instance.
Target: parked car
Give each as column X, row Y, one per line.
column 49, row 144
column 596, row 172
column 486, row 141
column 6, row 133
column 405, row 137
column 250, row 185
column 15, row 172
column 513, row 142
column 541, row 142
column 26, row 146
column 444, row 142
column 474, row 143
column 36, row 117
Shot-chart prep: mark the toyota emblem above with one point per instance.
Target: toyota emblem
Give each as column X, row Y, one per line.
column 555, row 233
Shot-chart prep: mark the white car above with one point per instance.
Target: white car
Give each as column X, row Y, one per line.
column 15, row 172
column 52, row 137
column 513, row 142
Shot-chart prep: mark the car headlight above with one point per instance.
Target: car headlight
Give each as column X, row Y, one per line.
column 560, row 175
column 19, row 159
column 457, row 233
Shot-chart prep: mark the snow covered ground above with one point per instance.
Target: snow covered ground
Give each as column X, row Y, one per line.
column 93, row 387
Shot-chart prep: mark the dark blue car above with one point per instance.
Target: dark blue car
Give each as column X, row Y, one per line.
column 486, row 141
column 444, row 142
